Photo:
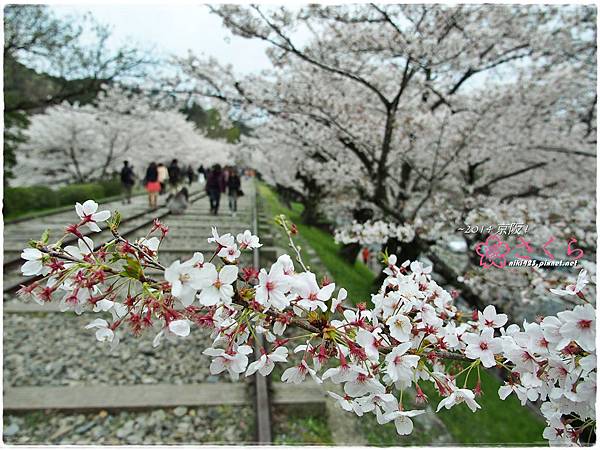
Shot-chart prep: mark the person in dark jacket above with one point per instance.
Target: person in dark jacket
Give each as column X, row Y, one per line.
column 152, row 185
column 190, row 174
column 215, row 185
column 127, row 181
column 175, row 175
column 202, row 174
column 233, row 187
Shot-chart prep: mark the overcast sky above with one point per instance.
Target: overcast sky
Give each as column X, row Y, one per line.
column 176, row 29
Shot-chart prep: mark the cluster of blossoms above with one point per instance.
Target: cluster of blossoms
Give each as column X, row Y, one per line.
column 563, row 216
column 373, row 233
column 412, row 335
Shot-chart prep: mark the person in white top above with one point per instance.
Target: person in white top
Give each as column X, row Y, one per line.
column 163, row 177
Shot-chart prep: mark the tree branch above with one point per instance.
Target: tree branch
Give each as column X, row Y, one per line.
column 484, row 188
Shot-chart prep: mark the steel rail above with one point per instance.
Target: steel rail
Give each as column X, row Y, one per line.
column 262, row 400
column 13, row 287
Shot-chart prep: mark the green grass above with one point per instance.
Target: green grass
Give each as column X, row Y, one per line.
column 357, row 278
column 498, row 422
column 297, row 427
column 32, row 214
column 386, row 435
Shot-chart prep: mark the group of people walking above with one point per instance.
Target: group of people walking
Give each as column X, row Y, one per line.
column 219, row 181
column 161, row 179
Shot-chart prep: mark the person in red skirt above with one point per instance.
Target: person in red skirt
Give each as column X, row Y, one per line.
column 365, row 255
column 152, row 185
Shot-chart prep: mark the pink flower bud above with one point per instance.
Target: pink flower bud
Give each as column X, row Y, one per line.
column 74, row 229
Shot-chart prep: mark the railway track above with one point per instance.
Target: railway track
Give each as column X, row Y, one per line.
column 62, row 217
column 15, row 242
column 262, row 404
column 51, row 362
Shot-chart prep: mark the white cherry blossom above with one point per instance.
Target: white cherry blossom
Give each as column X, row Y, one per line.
column 34, row 265
column 400, row 327
column 234, row 361
column 216, row 286
column 248, row 240
column 180, row 327
column 489, row 318
column 151, row 244
column 458, row 396
column 362, row 383
column 399, row 365
column 266, row 363
column 118, row 310
column 297, row 374
column 369, row 342
column 185, row 278
column 103, row 331
column 176, row 329
column 76, row 299
column 335, row 302
column 310, row 295
column 483, row 346
column 339, row 374
column 230, row 253
column 225, row 240
column 418, row 268
column 574, row 289
column 402, row 420
column 287, row 264
column 85, row 246
column 579, row 325
column 272, row 287
column 87, row 213
column 347, row 403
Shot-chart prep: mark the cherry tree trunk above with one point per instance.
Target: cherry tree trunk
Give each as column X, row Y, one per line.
column 411, row 250
column 310, row 214
column 349, row 252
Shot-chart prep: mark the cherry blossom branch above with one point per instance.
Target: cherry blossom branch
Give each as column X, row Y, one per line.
column 150, row 259
column 400, row 340
column 282, row 220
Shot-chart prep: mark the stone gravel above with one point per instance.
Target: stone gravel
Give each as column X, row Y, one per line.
column 54, row 349
column 221, row 424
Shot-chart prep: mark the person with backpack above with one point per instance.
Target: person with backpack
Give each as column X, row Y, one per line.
column 215, row 185
column 127, row 181
column 175, row 175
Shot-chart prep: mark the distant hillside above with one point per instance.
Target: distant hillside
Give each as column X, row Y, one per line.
column 25, row 89
column 28, row 92
column 209, row 120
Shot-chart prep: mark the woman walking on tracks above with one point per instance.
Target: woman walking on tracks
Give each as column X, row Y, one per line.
column 152, row 185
